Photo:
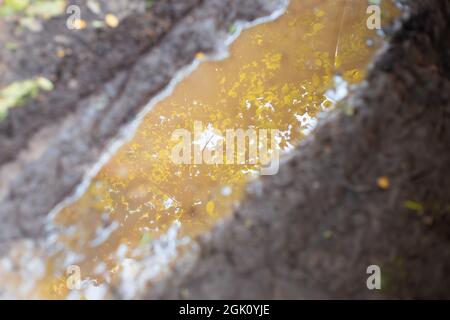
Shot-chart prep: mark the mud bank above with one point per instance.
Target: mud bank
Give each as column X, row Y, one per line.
column 312, row 230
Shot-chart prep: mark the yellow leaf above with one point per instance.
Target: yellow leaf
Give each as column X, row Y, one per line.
column 199, row 55
column 414, row 206
column 383, row 182
column 210, row 206
column 111, row 20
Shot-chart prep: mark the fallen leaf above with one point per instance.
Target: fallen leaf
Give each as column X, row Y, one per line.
column 383, row 182
column 111, row 20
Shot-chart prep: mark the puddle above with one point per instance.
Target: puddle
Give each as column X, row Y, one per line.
column 278, row 76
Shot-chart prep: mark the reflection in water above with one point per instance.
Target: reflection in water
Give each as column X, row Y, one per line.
column 277, row 77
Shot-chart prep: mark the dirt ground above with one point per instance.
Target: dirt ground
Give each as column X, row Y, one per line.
column 310, row 231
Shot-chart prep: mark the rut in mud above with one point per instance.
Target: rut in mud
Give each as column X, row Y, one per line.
column 52, row 161
column 368, row 187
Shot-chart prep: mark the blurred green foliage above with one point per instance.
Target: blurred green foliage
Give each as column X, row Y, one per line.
column 32, row 8
column 18, row 93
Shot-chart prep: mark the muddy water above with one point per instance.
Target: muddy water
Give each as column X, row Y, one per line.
column 277, row 77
